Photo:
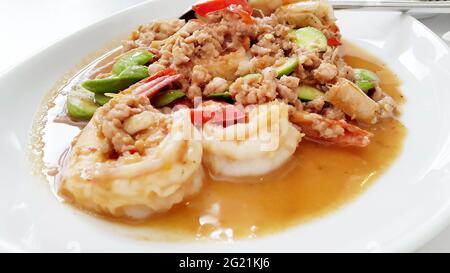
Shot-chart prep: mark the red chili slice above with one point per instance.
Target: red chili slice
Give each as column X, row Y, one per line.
column 200, row 117
column 334, row 41
column 203, row 9
column 150, row 88
column 240, row 7
column 164, row 72
column 246, row 17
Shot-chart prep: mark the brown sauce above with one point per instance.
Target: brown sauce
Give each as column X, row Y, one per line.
column 317, row 180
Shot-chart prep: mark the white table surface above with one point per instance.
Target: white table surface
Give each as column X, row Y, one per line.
column 28, row 26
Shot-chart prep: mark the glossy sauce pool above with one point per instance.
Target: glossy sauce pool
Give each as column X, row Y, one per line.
column 317, row 180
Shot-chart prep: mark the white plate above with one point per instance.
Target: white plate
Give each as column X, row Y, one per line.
column 406, row 207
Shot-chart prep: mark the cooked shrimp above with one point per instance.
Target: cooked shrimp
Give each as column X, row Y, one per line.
column 257, row 147
column 130, row 160
column 348, row 97
column 302, row 13
column 328, row 131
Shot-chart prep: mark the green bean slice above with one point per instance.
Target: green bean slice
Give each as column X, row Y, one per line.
column 365, row 79
column 80, row 104
column 310, row 38
column 167, row 97
column 308, row 93
column 118, row 83
column 101, row 99
column 139, row 56
column 225, row 96
column 288, row 67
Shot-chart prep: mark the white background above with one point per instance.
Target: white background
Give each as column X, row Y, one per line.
column 27, row 26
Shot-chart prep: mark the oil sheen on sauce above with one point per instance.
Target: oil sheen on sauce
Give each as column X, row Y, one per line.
column 317, row 180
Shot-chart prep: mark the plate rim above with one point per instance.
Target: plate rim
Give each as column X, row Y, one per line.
column 406, row 243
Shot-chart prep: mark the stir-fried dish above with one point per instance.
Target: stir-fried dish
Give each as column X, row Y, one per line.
column 232, row 94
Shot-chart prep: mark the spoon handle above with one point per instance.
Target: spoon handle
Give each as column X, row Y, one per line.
column 411, row 6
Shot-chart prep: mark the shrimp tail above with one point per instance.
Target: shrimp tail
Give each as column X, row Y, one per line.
column 328, row 131
column 150, row 88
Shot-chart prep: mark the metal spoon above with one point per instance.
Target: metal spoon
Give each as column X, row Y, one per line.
column 405, row 6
